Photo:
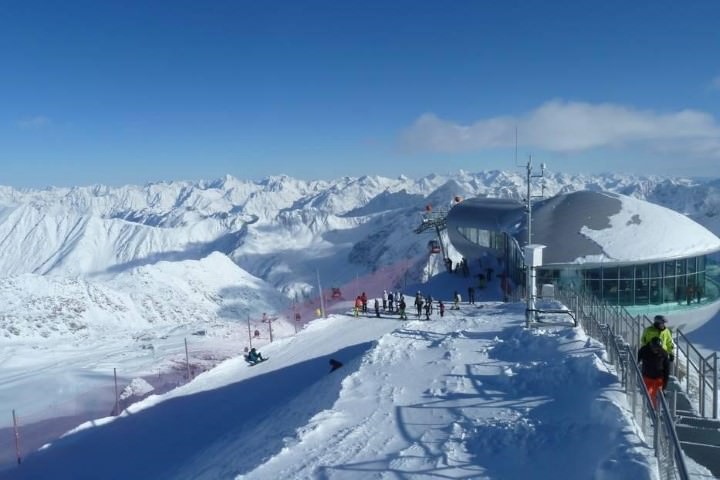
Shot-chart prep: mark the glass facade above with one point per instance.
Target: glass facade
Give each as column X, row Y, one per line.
column 685, row 281
column 483, row 238
column 501, row 244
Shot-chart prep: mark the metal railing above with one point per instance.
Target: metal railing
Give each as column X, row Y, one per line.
column 620, row 332
column 697, row 374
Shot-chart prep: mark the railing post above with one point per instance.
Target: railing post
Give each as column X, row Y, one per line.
column 622, row 370
column 715, row 390
column 17, row 438
column 187, row 361
column 656, row 430
column 687, row 368
column 116, row 410
column 634, row 402
column 701, row 393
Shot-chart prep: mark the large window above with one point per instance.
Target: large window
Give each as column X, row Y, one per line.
column 477, row 236
column 683, row 282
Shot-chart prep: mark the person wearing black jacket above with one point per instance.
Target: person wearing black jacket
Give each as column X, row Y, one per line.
column 655, row 366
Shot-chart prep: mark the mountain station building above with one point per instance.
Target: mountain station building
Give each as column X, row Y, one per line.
column 626, row 251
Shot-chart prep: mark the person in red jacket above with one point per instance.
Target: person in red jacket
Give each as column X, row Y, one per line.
column 358, row 306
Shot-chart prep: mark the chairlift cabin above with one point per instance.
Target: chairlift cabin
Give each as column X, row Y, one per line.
column 336, row 293
column 434, row 246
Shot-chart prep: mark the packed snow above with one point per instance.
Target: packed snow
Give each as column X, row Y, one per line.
column 471, row 395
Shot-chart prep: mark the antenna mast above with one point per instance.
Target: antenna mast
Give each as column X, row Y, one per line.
column 530, row 176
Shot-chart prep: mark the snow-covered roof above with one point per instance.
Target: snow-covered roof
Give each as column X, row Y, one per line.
column 591, row 228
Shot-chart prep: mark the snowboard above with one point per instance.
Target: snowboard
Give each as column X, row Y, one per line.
column 252, row 364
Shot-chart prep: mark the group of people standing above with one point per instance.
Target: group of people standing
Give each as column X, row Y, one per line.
column 394, row 302
column 424, row 304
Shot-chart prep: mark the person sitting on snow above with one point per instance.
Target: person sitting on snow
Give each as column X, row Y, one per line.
column 254, row 356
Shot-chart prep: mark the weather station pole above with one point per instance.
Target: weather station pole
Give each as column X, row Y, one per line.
column 532, row 253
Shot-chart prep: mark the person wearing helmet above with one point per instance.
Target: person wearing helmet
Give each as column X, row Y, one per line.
column 659, row 329
column 655, row 366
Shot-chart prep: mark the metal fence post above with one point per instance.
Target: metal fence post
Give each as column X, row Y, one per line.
column 687, row 368
column 656, row 430
column 701, row 392
column 17, row 438
column 116, row 411
column 715, row 390
column 187, row 361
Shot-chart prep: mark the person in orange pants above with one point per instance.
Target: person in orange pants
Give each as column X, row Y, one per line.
column 655, row 367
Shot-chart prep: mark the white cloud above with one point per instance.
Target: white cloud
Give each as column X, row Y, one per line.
column 561, row 126
column 38, row 121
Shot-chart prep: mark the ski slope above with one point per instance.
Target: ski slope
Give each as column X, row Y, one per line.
column 472, row 395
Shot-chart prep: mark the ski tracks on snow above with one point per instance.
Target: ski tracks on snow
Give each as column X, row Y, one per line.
column 473, row 395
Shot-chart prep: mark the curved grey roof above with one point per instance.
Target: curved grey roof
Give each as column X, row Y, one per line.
column 587, row 228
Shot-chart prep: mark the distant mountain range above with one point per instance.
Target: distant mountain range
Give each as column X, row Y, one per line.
column 277, row 235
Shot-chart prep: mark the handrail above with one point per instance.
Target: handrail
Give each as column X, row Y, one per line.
column 700, row 374
column 620, row 333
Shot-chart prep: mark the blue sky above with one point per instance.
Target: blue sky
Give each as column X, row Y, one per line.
column 131, row 92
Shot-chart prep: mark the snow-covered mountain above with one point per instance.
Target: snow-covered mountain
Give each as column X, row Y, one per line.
column 102, row 244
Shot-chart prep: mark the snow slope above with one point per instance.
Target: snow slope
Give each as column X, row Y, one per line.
column 471, row 396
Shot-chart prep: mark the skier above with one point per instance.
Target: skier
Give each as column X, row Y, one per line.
column 441, row 305
column 390, row 302
column 385, row 300
column 456, row 301
column 364, row 302
column 655, row 363
column 377, row 308
column 471, row 295
column 428, row 310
